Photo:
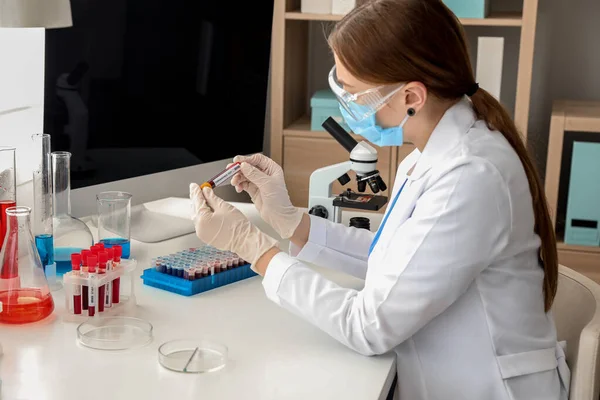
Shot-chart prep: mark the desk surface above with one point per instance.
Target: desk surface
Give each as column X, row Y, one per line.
column 272, row 353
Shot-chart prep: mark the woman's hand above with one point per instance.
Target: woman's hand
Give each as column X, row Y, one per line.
column 223, row 226
column 263, row 180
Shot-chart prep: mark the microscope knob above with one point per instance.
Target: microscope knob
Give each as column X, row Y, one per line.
column 381, row 184
column 344, row 179
column 319, row 211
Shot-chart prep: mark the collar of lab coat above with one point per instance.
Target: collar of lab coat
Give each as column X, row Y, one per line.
column 455, row 123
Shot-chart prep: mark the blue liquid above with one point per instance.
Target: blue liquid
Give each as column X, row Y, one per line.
column 124, row 243
column 62, row 256
column 45, row 248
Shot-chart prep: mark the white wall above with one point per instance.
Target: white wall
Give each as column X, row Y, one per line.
column 566, row 63
column 21, row 93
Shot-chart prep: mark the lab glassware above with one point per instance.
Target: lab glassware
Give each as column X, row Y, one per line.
column 114, row 220
column 222, row 177
column 71, row 235
column 8, row 185
column 192, row 355
column 42, row 207
column 114, row 333
column 24, row 292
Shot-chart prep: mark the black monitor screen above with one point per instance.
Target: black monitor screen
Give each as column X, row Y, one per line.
column 136, row 87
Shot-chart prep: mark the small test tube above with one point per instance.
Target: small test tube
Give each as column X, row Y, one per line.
column 186, row 274
column 92, row 264
column 109, row 266
column 192, row 274
column 229, row 262
column 102, row 261
column 116, row 287
column 222, row 177
column 76, row 266
column 84, row 269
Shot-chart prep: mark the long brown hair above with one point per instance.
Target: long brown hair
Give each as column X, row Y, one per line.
column 391, row 41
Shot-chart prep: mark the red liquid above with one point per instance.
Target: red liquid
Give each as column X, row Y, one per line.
column 22, row 306
column 77, row 304
column 4, row 204
column 84, row 297
column 101, row 298
column 116, row 288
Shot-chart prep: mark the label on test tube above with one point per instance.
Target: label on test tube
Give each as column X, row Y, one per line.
column 224, row 176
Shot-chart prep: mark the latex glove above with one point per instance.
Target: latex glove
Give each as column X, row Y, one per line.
column 223, row 226
column 263, row 180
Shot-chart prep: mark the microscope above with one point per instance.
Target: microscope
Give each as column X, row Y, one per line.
column 363, row 161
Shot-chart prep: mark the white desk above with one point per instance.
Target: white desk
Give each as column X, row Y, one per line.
column 273, row 354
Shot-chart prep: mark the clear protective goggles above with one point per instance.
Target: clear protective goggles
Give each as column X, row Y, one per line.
column 362, row 105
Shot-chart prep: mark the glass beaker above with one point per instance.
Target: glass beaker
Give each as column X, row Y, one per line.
column 8, row 185
column 24, row 291
column 71, row 235
column 114, row 220
column 42, row 208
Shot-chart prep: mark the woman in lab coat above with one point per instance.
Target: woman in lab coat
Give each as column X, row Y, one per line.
column 461, row 275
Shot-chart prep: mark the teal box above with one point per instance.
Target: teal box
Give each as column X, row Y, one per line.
column 583, row 204
column 323, row 105
column 469, row 8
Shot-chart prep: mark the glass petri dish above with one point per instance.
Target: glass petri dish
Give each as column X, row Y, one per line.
column 192, row 355
column 114, row 333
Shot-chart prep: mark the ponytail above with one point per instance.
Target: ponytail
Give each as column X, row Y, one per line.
column 488, row 109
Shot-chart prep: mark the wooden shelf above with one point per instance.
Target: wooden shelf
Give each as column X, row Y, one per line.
column 582, row 249
column 496, row 19
column 301, row 128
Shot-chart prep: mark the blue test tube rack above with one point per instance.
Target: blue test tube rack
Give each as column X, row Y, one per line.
column 171, row 272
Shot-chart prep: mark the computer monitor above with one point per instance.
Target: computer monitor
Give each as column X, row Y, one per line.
column 150, row 95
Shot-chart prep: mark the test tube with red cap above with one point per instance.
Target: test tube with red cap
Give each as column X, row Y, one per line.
column 93, row 296
column 84, row 270
column 109, row 266
column 100, row 245
column 76, row 266
column 102, row 260
column 116, row 287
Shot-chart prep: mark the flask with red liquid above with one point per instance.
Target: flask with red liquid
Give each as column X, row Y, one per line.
column 24, row 291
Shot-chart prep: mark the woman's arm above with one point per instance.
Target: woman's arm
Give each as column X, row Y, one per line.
column 328, row 244
column 459, row 224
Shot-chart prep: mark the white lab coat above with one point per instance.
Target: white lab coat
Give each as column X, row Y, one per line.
column 453, row 285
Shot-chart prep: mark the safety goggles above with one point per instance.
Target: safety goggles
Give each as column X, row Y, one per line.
column 363, row 104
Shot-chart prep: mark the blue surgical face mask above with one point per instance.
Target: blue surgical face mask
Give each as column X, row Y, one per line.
column 375, row 134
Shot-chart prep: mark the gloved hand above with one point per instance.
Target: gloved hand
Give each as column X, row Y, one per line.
column 263, row 180
column 223, row 226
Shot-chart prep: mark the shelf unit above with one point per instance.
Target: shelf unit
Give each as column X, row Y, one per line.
column 574, row 116
column 300, row 150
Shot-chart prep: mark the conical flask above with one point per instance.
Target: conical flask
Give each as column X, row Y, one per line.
column 24, row 291
column 71, row 235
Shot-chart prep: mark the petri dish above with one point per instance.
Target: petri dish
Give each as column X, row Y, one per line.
column 114, row 333
column 192, row 355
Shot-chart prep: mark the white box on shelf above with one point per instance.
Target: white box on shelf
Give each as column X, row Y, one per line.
column 342, row 7
column 316, row 6
column 490, row 54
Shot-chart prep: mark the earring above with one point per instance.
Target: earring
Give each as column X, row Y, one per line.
column 411, row 112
